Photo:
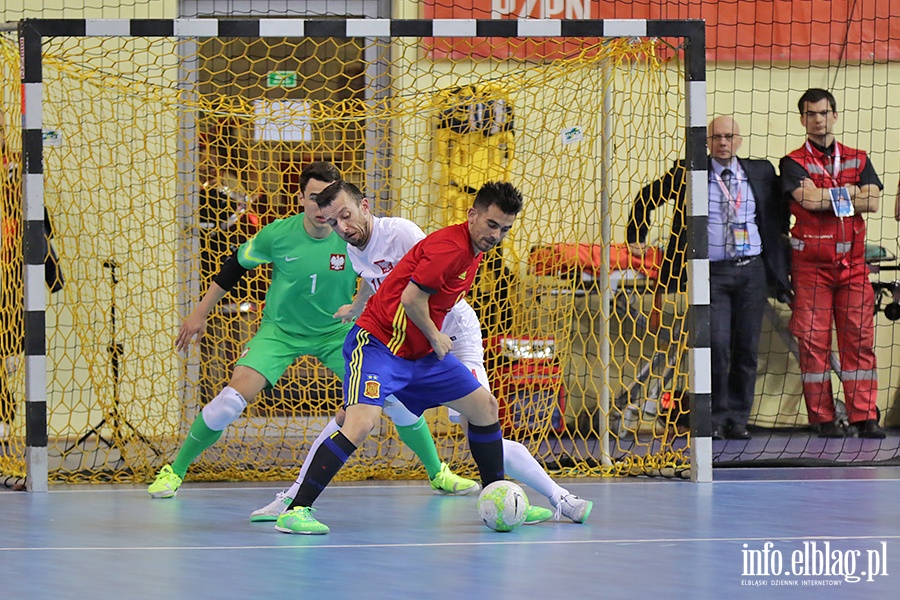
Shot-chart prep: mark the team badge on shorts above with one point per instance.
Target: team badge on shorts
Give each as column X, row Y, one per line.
column 372, row 389
column 338, row 261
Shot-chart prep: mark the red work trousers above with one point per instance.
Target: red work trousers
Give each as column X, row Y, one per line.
column 842, row 292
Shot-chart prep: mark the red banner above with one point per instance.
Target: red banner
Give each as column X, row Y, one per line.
column 737, row 30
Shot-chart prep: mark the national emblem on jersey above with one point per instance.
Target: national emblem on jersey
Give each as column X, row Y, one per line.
column 372, row 389
column 338, row 261
column 386, row 266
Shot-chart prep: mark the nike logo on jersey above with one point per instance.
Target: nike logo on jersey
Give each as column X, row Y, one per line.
column 290, row 258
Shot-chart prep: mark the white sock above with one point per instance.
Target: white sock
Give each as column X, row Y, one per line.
column 330, row 428
column 521, row 465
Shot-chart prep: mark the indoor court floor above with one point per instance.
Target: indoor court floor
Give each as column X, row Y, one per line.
column 820, row 529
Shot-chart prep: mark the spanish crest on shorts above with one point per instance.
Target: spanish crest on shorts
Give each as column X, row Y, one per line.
column 372, row 388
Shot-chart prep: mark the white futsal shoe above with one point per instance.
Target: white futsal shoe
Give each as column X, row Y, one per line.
column 574, row 508
column 272, row 510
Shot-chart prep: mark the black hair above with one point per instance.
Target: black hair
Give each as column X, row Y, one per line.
column 327, row 196
column 504, row 195
column 814, row 95
column 320, row 171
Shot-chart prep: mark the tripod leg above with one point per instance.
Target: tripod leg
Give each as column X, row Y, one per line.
column 116, row 420
column 143, row 438
column 115, row 351
column 95, row 430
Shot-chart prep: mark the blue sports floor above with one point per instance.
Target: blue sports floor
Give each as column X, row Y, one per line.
column 646, row 538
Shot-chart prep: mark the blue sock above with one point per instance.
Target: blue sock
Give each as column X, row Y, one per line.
column 326, row 462
column 486, row 444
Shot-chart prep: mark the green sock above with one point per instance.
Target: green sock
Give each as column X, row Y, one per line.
column 199, row 438
column 418, row 437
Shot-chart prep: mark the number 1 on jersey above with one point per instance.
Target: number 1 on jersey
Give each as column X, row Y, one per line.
column 312, row 289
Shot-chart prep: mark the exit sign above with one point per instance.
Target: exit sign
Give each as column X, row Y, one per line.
column 283, row 79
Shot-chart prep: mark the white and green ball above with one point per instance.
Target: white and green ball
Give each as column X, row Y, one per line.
column 502, row 505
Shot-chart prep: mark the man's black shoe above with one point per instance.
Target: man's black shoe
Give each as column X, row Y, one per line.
column 717, row 433
column 869, row 429
column 737, row 432
column 829, row 430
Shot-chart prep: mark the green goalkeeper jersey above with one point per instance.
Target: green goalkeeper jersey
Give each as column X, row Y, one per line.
column 311, row 278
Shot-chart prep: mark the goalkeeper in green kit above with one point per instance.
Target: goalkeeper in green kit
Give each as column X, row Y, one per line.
column 311, row 279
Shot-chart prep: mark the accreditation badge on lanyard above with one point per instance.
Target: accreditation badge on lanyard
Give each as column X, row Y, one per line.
column 738, row 228
column 841, row 203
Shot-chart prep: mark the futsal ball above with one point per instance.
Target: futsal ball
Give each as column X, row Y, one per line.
column 502, row 505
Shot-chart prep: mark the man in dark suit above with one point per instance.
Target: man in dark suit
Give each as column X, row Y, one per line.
column 748, row 257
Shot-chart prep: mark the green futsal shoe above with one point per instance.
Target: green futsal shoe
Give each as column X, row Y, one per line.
column 537, row 514
column 447, row 482
column 300, row 520
column 166, row 484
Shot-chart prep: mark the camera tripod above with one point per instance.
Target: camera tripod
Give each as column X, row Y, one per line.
column 115, row 350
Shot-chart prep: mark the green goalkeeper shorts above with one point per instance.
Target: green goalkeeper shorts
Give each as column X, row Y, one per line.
column 272, row 351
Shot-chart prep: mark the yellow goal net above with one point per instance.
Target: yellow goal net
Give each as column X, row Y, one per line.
column 164, row 150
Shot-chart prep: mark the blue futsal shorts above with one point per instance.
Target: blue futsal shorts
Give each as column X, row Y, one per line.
column 373, row 373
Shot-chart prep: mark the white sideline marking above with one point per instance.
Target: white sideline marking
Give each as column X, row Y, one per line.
column 456, row 544
column 352, row 485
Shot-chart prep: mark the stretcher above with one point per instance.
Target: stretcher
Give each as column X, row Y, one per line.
column 583, row 261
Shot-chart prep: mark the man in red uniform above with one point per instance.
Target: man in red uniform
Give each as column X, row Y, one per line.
column 829, row 272
column 396, row 347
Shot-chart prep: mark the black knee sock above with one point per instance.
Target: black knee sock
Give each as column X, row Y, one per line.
column 326, row 462
column 486, row 444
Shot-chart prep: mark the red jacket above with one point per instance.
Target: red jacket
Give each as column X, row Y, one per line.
column 820, row 236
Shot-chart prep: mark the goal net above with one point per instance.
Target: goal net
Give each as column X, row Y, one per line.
column 166, row 144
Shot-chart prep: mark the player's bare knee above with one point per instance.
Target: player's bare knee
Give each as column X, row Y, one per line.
column 493, row 408
column 247, row 382
column 489, row 405
column 484, row 409
column 358, row 424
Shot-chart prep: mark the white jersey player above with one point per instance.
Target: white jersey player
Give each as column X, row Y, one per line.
column 375, row 245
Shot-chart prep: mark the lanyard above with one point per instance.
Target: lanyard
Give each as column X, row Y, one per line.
column 837, row 163
column 736, row 200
